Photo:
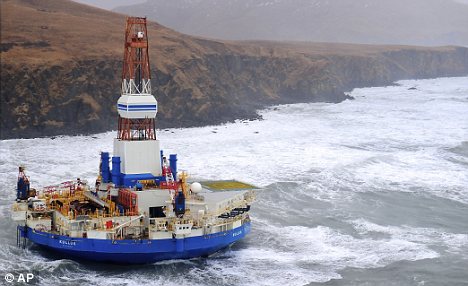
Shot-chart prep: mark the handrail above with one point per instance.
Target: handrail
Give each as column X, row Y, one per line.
column 128, row 222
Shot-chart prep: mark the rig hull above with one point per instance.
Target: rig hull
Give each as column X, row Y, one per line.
column 135, row 251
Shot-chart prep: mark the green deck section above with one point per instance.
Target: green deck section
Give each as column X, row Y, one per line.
column 227, row 185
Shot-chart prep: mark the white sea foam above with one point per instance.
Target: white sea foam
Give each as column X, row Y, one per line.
column 454, row 242
column 295, row 248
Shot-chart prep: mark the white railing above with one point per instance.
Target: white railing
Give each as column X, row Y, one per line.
column 119, row 228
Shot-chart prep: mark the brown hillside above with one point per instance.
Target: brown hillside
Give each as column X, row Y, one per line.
column 61, row 61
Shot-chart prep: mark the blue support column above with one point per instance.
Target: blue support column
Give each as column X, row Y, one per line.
column 173, row 165
column 105, row 170
column 116, row 171
column 22, row 189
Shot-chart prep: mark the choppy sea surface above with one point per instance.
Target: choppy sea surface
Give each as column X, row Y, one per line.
column 371, row 191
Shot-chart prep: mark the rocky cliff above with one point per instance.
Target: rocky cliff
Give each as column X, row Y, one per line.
column 60, row 71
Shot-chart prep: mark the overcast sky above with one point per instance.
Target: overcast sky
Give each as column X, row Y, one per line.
column 111, row 4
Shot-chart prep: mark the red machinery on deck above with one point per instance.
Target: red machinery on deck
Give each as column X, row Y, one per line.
column 129, row 201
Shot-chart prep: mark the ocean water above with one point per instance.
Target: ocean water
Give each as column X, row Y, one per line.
column 371, row 191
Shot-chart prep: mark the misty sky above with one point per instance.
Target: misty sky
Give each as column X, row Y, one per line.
column 111, row 4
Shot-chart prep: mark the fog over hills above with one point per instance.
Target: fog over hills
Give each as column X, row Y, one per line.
column 111, row 4
column 415, row 22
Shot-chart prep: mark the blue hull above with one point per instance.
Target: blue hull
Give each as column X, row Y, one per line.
column 136, row 251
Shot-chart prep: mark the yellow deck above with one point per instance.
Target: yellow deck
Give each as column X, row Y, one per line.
column 227, row 185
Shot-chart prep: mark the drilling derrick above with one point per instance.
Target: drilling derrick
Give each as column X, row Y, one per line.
column 137, row 107
column 136, row 148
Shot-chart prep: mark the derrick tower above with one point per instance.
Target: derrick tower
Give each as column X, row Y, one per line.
column 136, row 148
column 137, row 107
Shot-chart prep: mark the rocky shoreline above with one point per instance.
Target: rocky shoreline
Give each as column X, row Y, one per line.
column 85, row 92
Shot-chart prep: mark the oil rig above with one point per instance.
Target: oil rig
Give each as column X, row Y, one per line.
column 140, row 209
